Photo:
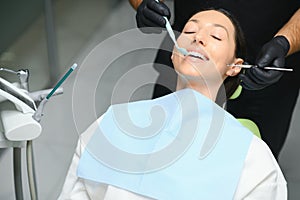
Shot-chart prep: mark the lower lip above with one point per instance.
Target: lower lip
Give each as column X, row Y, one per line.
column 193, row 59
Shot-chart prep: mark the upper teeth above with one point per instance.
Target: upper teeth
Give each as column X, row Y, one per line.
column 197, row 54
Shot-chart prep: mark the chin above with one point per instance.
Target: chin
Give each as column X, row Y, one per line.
column 189, row 70
column 189, row 74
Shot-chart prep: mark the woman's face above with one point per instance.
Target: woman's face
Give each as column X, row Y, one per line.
column 210, row 35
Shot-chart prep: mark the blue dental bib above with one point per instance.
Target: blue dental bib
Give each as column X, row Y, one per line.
column 180, row 146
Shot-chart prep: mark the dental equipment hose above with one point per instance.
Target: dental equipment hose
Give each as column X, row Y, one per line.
column 17, row 158
column 31, row 171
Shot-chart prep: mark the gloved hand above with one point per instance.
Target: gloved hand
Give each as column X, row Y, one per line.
column 150, row 14
column 272, row 54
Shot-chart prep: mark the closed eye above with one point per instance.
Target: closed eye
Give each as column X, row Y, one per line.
column 189, row 32
column 219, row 39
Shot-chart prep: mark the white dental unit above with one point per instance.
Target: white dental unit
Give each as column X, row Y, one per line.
column 20, row 117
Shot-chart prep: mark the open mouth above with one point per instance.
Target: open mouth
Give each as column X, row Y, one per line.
column 197, row 55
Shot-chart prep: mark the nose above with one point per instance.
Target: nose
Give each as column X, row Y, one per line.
column 200, row 38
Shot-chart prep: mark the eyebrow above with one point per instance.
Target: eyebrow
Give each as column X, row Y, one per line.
column 215, row 25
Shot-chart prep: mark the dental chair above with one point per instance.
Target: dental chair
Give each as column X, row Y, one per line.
column 246, row 122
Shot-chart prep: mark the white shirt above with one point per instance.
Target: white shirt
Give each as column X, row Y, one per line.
column 261, row 177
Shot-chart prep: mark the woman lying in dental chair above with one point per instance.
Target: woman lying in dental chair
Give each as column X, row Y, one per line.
column 183, row 145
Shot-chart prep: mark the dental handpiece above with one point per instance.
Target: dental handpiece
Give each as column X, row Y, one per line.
column 39, row 112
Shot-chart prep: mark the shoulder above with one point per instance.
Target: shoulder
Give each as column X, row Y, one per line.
column 260, row 156
column 261, row 163
column 261, row 176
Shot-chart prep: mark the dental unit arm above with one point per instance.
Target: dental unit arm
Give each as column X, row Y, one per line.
column 19, row 124
column 40, row 96
column 22, row 123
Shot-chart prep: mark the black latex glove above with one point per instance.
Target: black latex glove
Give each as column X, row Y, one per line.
column 150, row 14
column 272, row 54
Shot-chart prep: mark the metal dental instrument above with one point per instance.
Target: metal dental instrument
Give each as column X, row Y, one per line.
column 272, row 68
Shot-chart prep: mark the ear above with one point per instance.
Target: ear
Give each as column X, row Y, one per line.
column 233, row 71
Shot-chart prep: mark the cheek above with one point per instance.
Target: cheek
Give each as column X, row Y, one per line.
column 184, row 40
column 176, row 58
column 222, row 54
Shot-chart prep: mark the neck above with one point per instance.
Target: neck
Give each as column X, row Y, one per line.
column 210, row 90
